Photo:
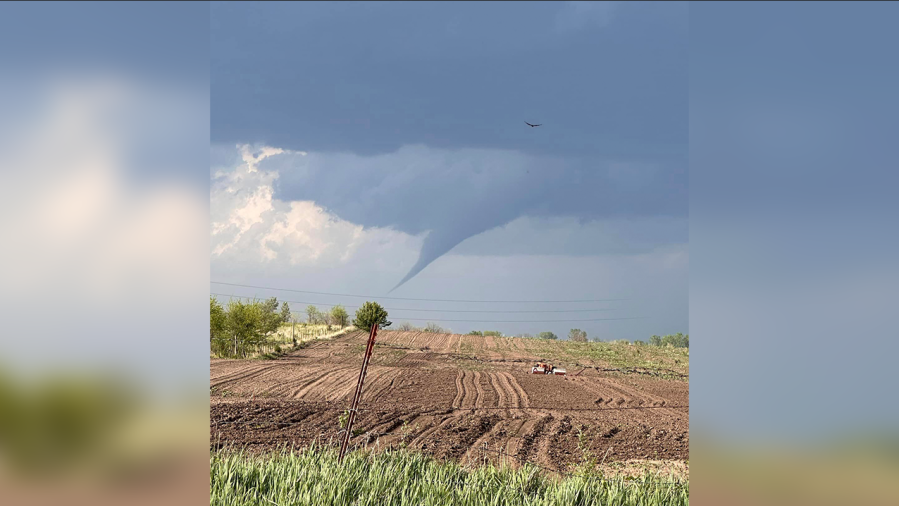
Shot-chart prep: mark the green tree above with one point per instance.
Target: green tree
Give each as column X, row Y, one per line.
column 339, row 316
column 369, row 314
column 655, row 341
column 493, row 333
column 285, row 313
column 244, row 323
column 270, row 305
column 476, row 333
column 577, row 335
column 271, row 319
column 312, row 315
column 217, row 319
column 547, row 335
column 678, row 340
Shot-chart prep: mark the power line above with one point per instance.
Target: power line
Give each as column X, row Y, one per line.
column 429, row 310
column 406, row 298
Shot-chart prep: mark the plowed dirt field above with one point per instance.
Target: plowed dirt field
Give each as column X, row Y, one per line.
column 465, row 398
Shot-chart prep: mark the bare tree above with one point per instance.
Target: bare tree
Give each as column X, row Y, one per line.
column 433, row 327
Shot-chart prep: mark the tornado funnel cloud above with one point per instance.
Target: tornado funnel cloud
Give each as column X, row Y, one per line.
column 418, row 267
column 436, row 244
column 439, row 242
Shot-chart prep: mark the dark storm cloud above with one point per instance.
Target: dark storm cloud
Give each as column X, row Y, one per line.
column 413, row 114
column 408, row 190
column 370, row 77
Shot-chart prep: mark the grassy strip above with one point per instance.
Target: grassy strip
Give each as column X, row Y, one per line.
column 652, row 358
column 313, row 477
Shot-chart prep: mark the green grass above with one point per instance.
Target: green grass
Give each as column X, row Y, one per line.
column 397, row 477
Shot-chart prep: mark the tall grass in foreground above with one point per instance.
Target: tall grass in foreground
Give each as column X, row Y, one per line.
column 313, row 477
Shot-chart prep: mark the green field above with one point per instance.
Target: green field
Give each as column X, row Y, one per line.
column 314, row 477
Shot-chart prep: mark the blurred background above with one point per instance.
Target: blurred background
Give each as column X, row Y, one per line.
column 104, row 148
column 793, row 130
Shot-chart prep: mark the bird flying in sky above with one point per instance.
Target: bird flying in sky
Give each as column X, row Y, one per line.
column 530, row 125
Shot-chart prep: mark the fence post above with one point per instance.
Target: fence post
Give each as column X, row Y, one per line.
column 358, row 395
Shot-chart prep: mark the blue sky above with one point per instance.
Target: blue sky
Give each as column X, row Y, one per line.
column 409, row 119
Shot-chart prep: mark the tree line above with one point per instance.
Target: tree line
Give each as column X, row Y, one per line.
column 337, row 316
column 238, row 329
column 676, row 340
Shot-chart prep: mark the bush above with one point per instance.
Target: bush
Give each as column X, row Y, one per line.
column 547, row 335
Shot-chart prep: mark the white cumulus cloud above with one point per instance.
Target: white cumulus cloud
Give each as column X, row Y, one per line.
column 253, row 230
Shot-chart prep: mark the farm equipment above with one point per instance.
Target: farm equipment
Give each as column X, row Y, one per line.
column 544, row 368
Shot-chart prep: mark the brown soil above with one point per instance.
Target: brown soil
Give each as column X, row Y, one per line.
column 436, row 393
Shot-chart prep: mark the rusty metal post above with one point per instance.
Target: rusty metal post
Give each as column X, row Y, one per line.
column 358, row 395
